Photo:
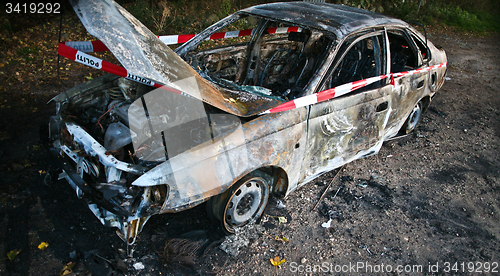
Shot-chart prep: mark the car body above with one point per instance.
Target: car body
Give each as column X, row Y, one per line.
column 311, row 87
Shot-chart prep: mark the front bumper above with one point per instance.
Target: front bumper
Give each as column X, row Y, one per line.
column 103, row 181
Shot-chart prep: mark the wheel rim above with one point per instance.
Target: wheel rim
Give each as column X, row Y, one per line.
column 414, row 117
column 246, row 203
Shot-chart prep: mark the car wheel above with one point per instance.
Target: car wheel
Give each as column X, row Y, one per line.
column 241, row 204
column 413, row 118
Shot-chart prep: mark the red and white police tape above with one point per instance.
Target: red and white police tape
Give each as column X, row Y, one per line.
column 79, row 56
column 98, row 46
column 103, row 65
column 342, row 90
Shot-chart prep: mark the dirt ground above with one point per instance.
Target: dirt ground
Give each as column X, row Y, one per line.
column 426, row 204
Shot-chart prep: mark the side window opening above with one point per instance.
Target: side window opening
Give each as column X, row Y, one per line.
column 422, row 48
column 403, row 56
column 363, row 60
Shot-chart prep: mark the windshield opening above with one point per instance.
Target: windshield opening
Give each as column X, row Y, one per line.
column 260, row 56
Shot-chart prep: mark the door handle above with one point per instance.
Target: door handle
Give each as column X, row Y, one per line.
column 383, row 106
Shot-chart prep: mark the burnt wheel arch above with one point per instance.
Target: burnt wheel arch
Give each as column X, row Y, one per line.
column 243, row 203
column 275, row 180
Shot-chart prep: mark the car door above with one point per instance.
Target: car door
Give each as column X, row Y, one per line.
column 408, row 89
column 350, row 126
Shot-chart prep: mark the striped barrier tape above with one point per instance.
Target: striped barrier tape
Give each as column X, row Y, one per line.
column 98, row 46
column 343, row 89
column 87, row 46
column 97, row 63
column 325, row 95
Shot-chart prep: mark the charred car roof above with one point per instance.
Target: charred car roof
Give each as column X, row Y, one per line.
column 337, row 19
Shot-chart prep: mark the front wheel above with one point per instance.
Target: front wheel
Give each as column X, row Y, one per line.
column 413, row 118
column 241, row 204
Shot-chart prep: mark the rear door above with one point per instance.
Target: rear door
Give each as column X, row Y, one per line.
column 409, row 88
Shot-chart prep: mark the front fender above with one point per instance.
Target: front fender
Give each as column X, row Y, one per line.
column 211, row 168
column 201, row 172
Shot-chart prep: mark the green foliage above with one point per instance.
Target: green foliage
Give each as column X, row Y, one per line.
column 406, row 10
column 177, row 17
column 5, row 25
column 140, row 10
column 164, row 17
column 477, row 16
column 469, row 21
column 25, row 51
column 361, row 4
column 458, row 17
column 225, row 9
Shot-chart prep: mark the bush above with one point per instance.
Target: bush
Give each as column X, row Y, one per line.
column 176, row 16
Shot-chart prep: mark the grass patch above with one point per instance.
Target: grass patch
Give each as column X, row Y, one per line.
column 477, row 21
column 24, row 52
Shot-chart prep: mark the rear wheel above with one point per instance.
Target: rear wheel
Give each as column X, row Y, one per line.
column 413, row 118
column 241, row 204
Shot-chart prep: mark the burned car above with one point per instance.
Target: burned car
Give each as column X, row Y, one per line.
column 259, row 104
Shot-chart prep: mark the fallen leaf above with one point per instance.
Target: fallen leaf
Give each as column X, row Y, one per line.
column 67, row 269
column 278, row 238
column 281, row 220
column 43, row 245
column 276, row 261
column 12, row 254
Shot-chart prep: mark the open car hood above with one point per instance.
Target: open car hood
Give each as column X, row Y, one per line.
column 143, row 54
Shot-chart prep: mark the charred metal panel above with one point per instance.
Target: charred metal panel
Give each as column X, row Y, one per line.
column 344, row 129
column 407, row 91
column 93, row 148
column 210, row 168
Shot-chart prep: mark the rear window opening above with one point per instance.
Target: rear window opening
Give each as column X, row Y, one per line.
column 424, row 51
column 403, row 56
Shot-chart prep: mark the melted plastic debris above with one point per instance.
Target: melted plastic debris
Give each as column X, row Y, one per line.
column 327, row 224
column 139, row 266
